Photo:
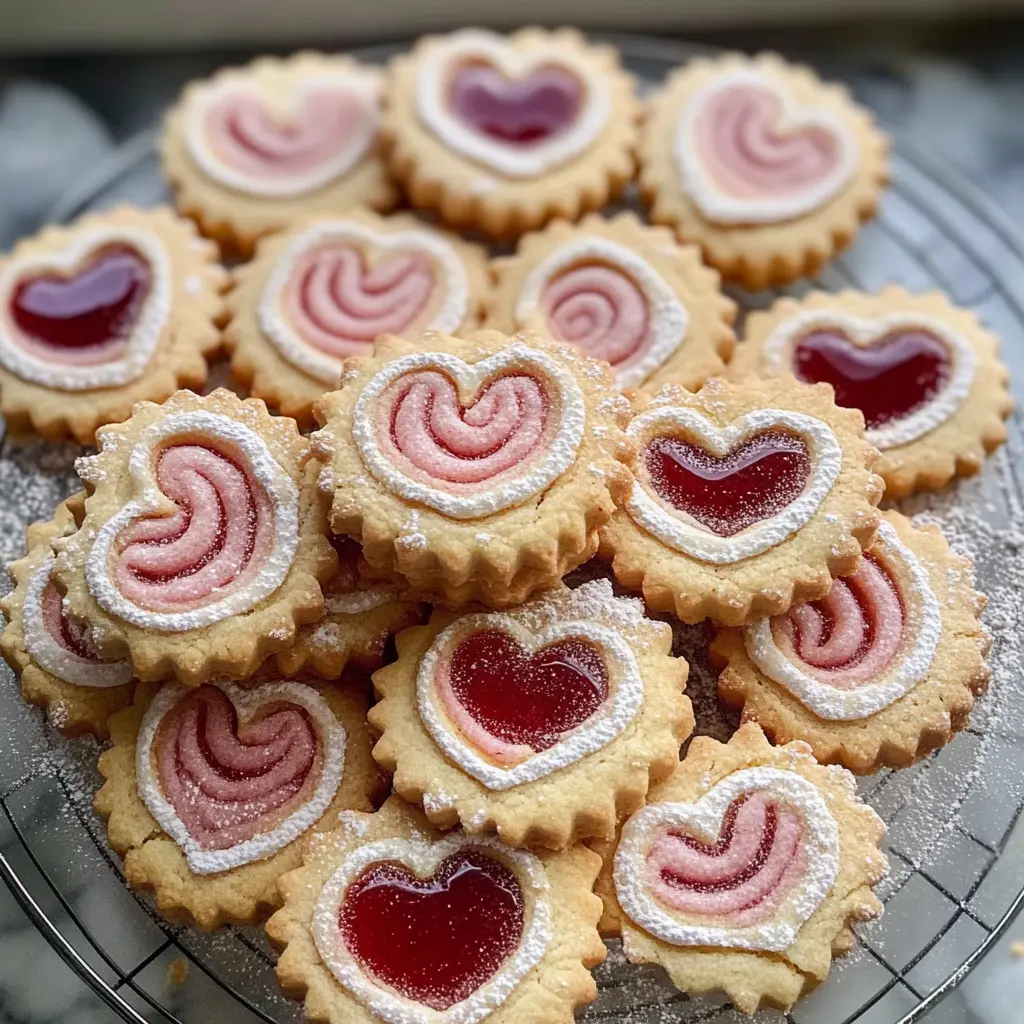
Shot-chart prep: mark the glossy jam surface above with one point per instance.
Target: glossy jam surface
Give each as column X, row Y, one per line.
column 93, row 308
column 516, row 111
column 887, row 380
column 71, row 635
column 437, row 940
column 754, row 481
column 524, row 699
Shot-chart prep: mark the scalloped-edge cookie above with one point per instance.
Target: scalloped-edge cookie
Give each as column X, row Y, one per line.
column 504, row 133
column 747, row 498
column 925, row 373
column 119, row 307
column 326, row 289
column 257, row 148
column 768, row 169
column 544, row 723
column 390, row 921
column 745, row 871
column 203, row 541
column 621, row 291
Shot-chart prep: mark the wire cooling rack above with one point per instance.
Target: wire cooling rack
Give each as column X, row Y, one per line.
column 955, row 839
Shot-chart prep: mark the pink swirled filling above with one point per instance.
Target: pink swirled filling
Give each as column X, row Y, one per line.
column 741, row 145
column 73, row 637
column 743, row 878
column 219, row 536
column 338, row 304
column 230, row 781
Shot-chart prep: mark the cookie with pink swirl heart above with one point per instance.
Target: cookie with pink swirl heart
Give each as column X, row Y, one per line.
column 622, row 292
column 116, row 308
column 391, row 920
column 544, row 723
column 767, row 168
column 210, row 791
column 325, row 291
column 745, row 871
column 202, row 548
column 926, row 375
column 747, row 498
column 478, row 468
column 883, row 670
column 505, row 133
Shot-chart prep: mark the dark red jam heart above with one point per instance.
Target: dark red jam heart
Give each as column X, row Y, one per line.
column 755, row 481
column 887, row 380
column 435, row 941
column 521, row 112
column 96, row 306
column 524, row 699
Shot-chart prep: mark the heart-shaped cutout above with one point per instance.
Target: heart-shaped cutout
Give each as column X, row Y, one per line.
column 722, row 494
column 340, row 285
column 286, row 144
column 233, row 775
column 452, row 925
column 748, row 153
column 521, row 113
column 470, row 439
column 743, row 868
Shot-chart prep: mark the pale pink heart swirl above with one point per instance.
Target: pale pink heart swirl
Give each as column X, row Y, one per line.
column 850, row 637
column 229, row 781
column 338, row 304
column 217, row 540
column 747, row 155
column 741, row 880
column 72, row 637
column 598, row 309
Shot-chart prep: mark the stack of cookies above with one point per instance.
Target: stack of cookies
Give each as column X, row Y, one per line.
column 424, row 442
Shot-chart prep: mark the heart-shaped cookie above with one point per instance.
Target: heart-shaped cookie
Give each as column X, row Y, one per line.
column 510, row 706
column 470, row 439
column 748, row 153
column 88, row 317
column 485, row 915
column 233, row 775
column 743, row 868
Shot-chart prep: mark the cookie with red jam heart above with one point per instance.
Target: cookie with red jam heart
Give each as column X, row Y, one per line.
column 760, row 163
column 210, row 791
column 504, row 133
column 925, row 373
column 746, row 499
column 478, row 469
column 55, row 658
column 258, row 148
column 327, row 289
column 116, row 308
column 881, row 671
column 620, row 291
column 390, row 921
column 545, row 723
column 745, row 871
column 202, row 548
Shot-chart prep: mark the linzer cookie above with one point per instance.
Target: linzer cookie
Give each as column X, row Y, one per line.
column 747, row 498
column 55, row 658
column 925, row 373
column 768, row 169
column 545, row 723
column 478, row 469
column 503, row 133
column 392, row 921
column 209, row 791
column 883, row 670
column 203, row 539
column 745, row 871
column 257, row 148
column 326, row 290
column 619, row 291
column 117, row 308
